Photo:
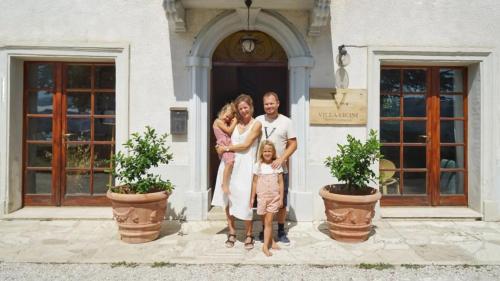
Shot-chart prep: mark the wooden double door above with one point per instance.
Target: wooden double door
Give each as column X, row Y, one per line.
column 69, row 128
column 423, row 131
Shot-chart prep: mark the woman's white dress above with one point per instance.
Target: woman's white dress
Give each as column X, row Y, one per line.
column 240, row 184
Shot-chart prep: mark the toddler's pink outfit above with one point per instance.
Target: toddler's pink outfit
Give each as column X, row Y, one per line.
column 225, row 140
column 268, row 189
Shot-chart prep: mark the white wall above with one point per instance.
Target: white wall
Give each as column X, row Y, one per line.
column 158, row 78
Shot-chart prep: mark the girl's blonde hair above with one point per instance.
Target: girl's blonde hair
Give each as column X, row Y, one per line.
column 261, row 150
column 228, row 106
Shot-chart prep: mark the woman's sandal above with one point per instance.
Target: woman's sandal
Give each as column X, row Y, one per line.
column 230, row 242
column 249, row 245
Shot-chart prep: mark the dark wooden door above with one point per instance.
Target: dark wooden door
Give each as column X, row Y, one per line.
column 228, row 81
column 423, row 131
column 69, row 132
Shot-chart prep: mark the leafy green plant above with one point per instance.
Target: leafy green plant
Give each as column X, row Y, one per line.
column 144, row 151
column 352, row 164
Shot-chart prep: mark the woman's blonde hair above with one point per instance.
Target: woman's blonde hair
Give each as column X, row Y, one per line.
column 228, row 106
column 243, row 98
column 261, row 150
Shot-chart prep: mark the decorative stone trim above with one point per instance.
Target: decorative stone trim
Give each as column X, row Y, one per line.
column 318, row 17
column 176, row 13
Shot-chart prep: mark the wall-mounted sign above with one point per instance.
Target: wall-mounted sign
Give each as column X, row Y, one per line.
column 329, row 106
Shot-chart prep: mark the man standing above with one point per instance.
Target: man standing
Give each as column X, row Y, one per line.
column 278, row 129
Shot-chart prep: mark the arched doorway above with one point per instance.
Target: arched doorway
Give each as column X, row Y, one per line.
column 199, row 64
column 235, row 72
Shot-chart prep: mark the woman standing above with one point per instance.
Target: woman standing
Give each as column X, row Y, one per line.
column 244, row 143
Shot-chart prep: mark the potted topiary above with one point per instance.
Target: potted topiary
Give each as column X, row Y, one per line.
column 139, row 201
column 349, row 206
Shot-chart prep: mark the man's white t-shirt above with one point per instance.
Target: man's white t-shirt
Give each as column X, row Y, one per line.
column 279, row 131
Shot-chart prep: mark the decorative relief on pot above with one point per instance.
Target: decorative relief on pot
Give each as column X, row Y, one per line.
column 122, row 217
column 338, row 217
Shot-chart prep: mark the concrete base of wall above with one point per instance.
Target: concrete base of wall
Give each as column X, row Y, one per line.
column 196, row 205
column 491, row 210
column 301, row 206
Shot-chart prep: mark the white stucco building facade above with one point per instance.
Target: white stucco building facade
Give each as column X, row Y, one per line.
column 162, row 52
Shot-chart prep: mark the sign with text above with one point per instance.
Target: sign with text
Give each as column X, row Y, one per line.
column 330, row 106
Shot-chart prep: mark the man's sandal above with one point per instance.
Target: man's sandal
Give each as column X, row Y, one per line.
column 249, row 245
column 230, row 242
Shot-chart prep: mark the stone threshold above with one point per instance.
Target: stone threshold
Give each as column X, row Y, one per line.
column 60, row 213
column 429, row 213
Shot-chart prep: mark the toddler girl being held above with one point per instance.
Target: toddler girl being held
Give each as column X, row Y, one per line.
column 223, row 127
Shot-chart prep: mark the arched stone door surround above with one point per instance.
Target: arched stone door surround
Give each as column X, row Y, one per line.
column 199, row 64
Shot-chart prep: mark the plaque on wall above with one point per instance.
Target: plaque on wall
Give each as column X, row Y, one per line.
column 330, row 106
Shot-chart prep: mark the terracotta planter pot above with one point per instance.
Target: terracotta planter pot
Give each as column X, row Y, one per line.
column 349, row 216
column 139, row 216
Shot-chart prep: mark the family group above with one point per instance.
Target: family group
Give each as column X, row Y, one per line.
column 254, row 156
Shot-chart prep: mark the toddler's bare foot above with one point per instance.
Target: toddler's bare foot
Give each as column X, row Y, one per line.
column 275, row 246
column 266, row 251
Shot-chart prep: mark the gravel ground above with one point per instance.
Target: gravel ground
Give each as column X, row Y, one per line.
column 164, row 271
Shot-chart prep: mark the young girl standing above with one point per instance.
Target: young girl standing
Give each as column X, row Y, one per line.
column 223, row 128
column 268, row 185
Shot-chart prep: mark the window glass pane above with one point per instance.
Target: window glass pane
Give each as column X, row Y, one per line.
column 389, row 131
column 450, row 80
column 78, row 103
column 414, row 183
column 78, row 182
column 40, row 102
column 452, row 183
column 102, row 155
column 78, row 129
column 414, row 106
column 391, row 153
column 452, row 131
column 389, row 182
column 389, row 106
column 104, row 104
column 105, row 77
column 39, row 129
column 41, row 75
column 414, row 131
column 414, row 80
column 78, row 76
column 452, row 157
column 390, row 80
column 101, row 182
column 414, row 157
column 38, row 182
column 39, row 155
column 104, row 129
column 451, row 106
column 78, row 156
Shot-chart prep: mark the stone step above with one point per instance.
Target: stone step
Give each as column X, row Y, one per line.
column 448, row 213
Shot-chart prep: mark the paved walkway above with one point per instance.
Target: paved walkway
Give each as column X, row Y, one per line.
column 395, row 242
